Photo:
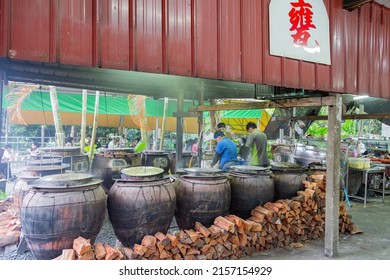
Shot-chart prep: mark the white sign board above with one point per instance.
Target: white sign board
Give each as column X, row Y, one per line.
column 299, row 29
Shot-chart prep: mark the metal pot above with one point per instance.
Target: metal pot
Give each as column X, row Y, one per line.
column 304, row 155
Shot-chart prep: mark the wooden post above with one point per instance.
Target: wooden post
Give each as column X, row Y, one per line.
column 333, row 178
column 163, row 122
column 179, row 131
column 360, row 130
column 200, row 129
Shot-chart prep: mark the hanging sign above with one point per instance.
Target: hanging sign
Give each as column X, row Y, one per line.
column 299, row 29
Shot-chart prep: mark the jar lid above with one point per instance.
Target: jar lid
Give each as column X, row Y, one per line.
column 45, row 161
column 47, row 167
column 249, row 169
column 154, row 152
column 60, row 149
column 202, row 171
column 142, row 171
column 64, row 180
column 117, row 150
column 286, row 166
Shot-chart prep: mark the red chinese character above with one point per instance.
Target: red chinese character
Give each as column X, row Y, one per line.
column 301, row 19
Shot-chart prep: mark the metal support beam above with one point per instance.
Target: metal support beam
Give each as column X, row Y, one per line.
column 333, row 179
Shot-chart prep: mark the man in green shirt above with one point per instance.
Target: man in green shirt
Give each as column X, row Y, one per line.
column 257, row 142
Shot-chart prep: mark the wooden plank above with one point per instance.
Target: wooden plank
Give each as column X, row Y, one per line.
column 284, row 103
column 377, row 116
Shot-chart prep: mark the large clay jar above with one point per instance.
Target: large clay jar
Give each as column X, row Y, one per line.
column 251, row 186
column 21, row 188
column 58, row 209
column 156, row 158
column 108, row 163
column 202, row 196
column 288, row 179
column 141, row 205
column 188, row 161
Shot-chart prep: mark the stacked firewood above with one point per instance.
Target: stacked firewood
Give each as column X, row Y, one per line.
column 83, row 250
column 10, row 228
column 286, row 222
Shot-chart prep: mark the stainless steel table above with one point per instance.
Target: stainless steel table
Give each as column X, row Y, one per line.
column 366, row 172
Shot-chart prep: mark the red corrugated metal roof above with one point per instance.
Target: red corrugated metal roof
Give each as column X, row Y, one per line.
column 213, row 39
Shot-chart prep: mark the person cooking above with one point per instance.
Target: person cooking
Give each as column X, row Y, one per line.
column 222, row 127
column 257, row 143
column 225, row 152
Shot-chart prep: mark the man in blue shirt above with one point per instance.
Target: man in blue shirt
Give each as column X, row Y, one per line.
column 225, row 152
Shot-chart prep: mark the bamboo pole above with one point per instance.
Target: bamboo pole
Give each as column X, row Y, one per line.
column 56, row 116
column 143, row 123
column 83, row 120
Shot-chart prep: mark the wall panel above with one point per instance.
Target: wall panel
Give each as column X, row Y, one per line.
column 4, row 16
column 272, row 74
column 252, row 50
column 364, row 50
column 148, row 36
column 30, row 30
column 351, row 58
column 385, row 56
column 375, row 50
column 336, row 44
column 75, row 32
column 114, row 42
column 180, row 47
column 230, row 40
column 206, row 38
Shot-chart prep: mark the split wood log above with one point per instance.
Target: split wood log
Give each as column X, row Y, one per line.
column 111, row 253
column 202, row 229
column 82, row 246
column 67, row 254
column 99, row 250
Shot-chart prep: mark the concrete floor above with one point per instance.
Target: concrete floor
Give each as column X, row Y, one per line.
column 372, row 244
